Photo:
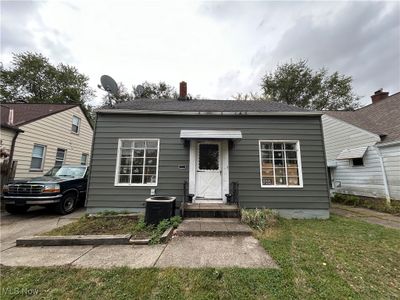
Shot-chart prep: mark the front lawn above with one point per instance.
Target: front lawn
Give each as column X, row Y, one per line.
column 333, row 259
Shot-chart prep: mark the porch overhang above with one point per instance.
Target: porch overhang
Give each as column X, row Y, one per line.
column 352, row 153
column 211, row 134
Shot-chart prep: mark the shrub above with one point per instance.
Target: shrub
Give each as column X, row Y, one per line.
column 162, row 226
column 259, row 218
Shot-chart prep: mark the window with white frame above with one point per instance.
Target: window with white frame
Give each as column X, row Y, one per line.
column 137, row 162
column 38, row 154
column 84, row 158
column 76, row 123
column 280, row 164
column 60, row 157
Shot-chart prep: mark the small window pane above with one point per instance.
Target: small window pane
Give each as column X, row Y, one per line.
column 151, row 144
column 125, row 170
column 150, row 171
column 293, row 180
column 291, row 154
column 151, row 161
column 292, row 163
column 292, row 172
column 268, row 181
column 137, row 162
column 126, row 144
column 267, row 172
column 279, row 154
column 290, row 146
column 125, row 161
column 266, row 163
column 278, row 146
column 150, row 179
column 84, row 158
column 139, row 144
column 138, row 153
column 279, row 163
column 126, row 152
column 75, row 124
column 266, row 146
column 280, row 180
column 151, row 153
column 136, row 179
column 266, row 154
column 137, row 170
column 280, row 172
column 124, row 178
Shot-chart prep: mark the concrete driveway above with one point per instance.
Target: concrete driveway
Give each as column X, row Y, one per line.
column 35, row 221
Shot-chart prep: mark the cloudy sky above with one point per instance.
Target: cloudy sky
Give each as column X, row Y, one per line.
column 219, row 48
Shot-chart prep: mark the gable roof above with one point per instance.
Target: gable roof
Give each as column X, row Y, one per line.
column 382, row 118
column 173, row 106
column 26, row 112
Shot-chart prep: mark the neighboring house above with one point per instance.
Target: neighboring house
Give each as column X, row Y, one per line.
column 274, row 151
column 41, row 136
column 363, row 148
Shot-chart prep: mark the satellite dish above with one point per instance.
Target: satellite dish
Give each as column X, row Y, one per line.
column 139, row 90
column 109, row 84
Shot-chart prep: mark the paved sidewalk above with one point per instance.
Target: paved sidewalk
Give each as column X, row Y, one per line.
column 213, row 227
column 366, row 215
column 181, row 252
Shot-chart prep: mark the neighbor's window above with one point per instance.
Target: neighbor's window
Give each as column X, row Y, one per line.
column 60, row 156
column 38, row 157
column 280, row 164
column 84, row 158
column 76, row 123
column 357, row 161
column 137, row 162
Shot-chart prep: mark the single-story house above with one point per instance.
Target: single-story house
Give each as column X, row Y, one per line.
column 363, row 148
column 37, row 137
column 273, row 152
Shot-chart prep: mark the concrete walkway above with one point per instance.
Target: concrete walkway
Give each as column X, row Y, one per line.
column 182, row 252
column 213, row 227
column 35, row 221
column 366, row 215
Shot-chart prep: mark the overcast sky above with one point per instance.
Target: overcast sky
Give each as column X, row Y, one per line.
column 219, row 48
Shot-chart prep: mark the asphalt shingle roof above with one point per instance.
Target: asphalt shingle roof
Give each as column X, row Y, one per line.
column 26, row 112
column 382, row 118
column 208, row 105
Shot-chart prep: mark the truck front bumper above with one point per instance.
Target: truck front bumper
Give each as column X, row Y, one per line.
column 26, row 200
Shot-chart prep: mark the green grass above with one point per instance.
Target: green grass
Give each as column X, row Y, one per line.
column 338, row 258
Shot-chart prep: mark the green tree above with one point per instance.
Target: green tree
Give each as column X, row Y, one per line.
column 122, row 95
column 33, row 79
column 297, row 84
column 159, row 90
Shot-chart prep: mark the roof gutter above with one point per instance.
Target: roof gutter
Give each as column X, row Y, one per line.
column 207, row 113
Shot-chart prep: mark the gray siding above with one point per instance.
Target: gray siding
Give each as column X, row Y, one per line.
column 243, row 159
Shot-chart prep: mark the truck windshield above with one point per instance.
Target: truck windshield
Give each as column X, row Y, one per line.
column 75, row 172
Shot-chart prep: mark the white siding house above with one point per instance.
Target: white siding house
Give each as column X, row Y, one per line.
column 363, row 152
column 50, row 135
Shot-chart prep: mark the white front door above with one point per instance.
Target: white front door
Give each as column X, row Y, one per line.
column 208, row 172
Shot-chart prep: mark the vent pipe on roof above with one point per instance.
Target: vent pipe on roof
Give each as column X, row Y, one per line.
column 183, row 91
column 11, row 116
column 379, row 95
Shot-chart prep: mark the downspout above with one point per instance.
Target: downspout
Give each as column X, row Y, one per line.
column 385, row 183
column 10, row 160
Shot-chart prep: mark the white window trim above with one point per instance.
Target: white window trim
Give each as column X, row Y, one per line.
column 86, row 161
column 299, row 167
column 79, row 124
column 116, row 183
column 43, row 158
column 64, row 158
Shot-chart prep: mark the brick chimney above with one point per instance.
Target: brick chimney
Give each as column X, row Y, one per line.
column 379, row 95
column 183, row 91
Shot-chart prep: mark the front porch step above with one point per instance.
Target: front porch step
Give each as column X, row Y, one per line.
column 210, row 210
column 212, row 227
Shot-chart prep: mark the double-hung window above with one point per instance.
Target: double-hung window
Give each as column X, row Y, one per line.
column 137, row 162
column 60, row 157
column 280, row 164
column 38, row 154
column 76, row 123
column 84, row 158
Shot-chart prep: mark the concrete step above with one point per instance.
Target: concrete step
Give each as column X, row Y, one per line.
column 212, row 227
column 212, row 210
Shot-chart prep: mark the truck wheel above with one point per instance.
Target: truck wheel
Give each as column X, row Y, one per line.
column 12, row 209
column 66, row 204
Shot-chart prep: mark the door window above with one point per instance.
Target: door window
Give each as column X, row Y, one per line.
column 208, row 157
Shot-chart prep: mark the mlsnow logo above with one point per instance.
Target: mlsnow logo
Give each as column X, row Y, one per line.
column 19, row 291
